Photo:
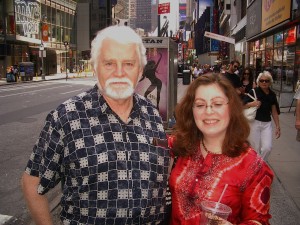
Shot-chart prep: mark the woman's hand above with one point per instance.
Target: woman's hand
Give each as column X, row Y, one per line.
column 277, row 132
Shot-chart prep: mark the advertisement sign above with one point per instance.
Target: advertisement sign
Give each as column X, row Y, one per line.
column 154, row 82
column 163, row 8
column 274, row 12
column 253, row 19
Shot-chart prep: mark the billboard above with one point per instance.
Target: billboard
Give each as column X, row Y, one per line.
column 154, row 82
column 274, row 12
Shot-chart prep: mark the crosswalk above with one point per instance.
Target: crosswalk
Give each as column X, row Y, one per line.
column 4, row 219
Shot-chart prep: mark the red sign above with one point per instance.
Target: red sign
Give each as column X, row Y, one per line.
column 45, row 32
column 163, row 8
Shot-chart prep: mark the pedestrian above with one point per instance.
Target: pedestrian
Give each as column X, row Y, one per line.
column 99, row 145
column 231, row 75
column 261, row 128
column 247, row 81
column 210, row 143
column 15, row 72
column 297, row 122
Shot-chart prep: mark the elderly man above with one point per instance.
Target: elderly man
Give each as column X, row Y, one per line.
column 99, row 145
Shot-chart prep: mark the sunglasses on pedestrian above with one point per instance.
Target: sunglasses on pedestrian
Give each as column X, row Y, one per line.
column 264, row 81
column 235, row 66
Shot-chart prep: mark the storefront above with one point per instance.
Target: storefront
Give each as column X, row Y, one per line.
column 33, row 29
column 273, row 37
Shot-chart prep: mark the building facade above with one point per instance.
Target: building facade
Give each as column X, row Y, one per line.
column 31, row 29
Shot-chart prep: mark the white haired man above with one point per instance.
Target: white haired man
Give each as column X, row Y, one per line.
column 99, row 144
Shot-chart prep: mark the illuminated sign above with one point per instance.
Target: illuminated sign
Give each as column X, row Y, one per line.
column 28, row 14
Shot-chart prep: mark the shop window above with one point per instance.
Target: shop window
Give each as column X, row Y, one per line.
column 269, row 42
column 269, row 58
column 278, row 56
column 251, row 60
column 262, row 44
column 288, row 68
column 278, row 39
column 251, row 47
column 256, row 45
column 290, row 36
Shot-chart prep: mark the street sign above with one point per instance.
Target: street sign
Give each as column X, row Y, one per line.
column 42, row 47
column 163, row 8
column 42, row 52
column 219, row 37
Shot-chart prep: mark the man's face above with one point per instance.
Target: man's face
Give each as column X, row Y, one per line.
column 235, row 66
column 118, row 69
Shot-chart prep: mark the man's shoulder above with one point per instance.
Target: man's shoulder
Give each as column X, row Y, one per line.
column 146, row 106
column 81, row 99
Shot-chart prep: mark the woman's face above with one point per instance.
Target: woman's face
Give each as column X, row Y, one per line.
column 246, row 74
column 211, row 111
column 264, row 82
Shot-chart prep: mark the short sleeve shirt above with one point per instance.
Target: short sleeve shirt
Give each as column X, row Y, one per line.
column 267, row 101
column 111, row 171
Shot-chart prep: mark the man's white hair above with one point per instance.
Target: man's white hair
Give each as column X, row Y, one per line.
column 122, row 35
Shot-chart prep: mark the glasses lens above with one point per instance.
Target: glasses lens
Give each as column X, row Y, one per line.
column 264, row 81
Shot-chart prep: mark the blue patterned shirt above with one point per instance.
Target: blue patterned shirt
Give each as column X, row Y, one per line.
column 111, row 171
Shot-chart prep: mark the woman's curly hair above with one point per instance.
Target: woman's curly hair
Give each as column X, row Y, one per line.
column 186, row 133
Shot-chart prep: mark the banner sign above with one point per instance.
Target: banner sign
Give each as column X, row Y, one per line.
column 163, row 8
column 45, row 32
column 219, row 37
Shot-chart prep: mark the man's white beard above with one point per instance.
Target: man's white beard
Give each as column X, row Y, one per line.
column 116, row 91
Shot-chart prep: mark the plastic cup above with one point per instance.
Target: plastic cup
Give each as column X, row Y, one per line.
column 213, row 213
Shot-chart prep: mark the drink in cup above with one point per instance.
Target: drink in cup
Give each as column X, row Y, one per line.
column 213, row 213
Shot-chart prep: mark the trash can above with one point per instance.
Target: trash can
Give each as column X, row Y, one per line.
column 186, row 77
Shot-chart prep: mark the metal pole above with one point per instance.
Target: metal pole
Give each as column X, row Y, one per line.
column 66, row 64
column 66, row 48
column 43, row 75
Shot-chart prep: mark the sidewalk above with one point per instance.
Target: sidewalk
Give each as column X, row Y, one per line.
column 58, row 76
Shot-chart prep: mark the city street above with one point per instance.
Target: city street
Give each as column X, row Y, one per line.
column 23, row 108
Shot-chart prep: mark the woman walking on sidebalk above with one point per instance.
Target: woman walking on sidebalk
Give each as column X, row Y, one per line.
column 261, row 129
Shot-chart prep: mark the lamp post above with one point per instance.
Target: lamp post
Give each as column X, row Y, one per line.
column 44, row 37
column 66, row 44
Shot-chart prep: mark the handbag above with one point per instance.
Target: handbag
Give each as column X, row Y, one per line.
column 250, row 113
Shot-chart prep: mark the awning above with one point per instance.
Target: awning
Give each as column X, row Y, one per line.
column 239, row 26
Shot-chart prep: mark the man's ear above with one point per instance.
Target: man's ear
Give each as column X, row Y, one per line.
column 140, row 73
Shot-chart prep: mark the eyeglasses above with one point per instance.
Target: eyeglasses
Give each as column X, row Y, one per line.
column 246, row 73
column 215, row 106
column 264, row 81
column 235, row 66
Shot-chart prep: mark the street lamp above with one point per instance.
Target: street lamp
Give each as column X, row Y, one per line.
column 44, row 37
column 66, row 44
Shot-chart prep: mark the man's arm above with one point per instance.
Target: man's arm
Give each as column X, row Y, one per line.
column 38, row 204
column 297, row 123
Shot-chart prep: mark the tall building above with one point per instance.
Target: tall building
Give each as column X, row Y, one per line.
column 143, row 15
column 28, row 27
column 91, row 16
